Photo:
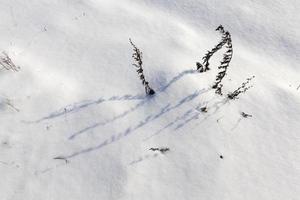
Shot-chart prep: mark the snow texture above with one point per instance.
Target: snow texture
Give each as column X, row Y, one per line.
column 76, row 123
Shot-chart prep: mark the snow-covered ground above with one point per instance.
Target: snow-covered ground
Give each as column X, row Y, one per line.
column 76, row 124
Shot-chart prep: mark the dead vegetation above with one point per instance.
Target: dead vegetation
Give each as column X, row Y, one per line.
column 7, row 64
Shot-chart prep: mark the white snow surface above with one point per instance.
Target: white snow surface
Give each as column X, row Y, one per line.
column 78, row 97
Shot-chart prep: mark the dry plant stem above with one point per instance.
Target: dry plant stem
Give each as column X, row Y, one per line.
column 138, row 57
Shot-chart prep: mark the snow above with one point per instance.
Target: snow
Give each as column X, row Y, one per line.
column 76, row 124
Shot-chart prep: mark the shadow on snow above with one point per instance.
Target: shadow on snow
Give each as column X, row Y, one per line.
column 130, row 130
column 84, row 104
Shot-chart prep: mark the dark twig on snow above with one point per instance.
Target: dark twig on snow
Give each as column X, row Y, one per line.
column 138, row 57
column 61, row 158
column 205, row 64
column 162, row 150
column 242, row 89
column 245, row 115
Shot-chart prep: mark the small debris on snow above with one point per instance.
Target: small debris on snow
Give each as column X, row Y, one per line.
column 245, row 115
column 162, row 150
column 61, row 158
column 203, row 109
column 48, row 127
